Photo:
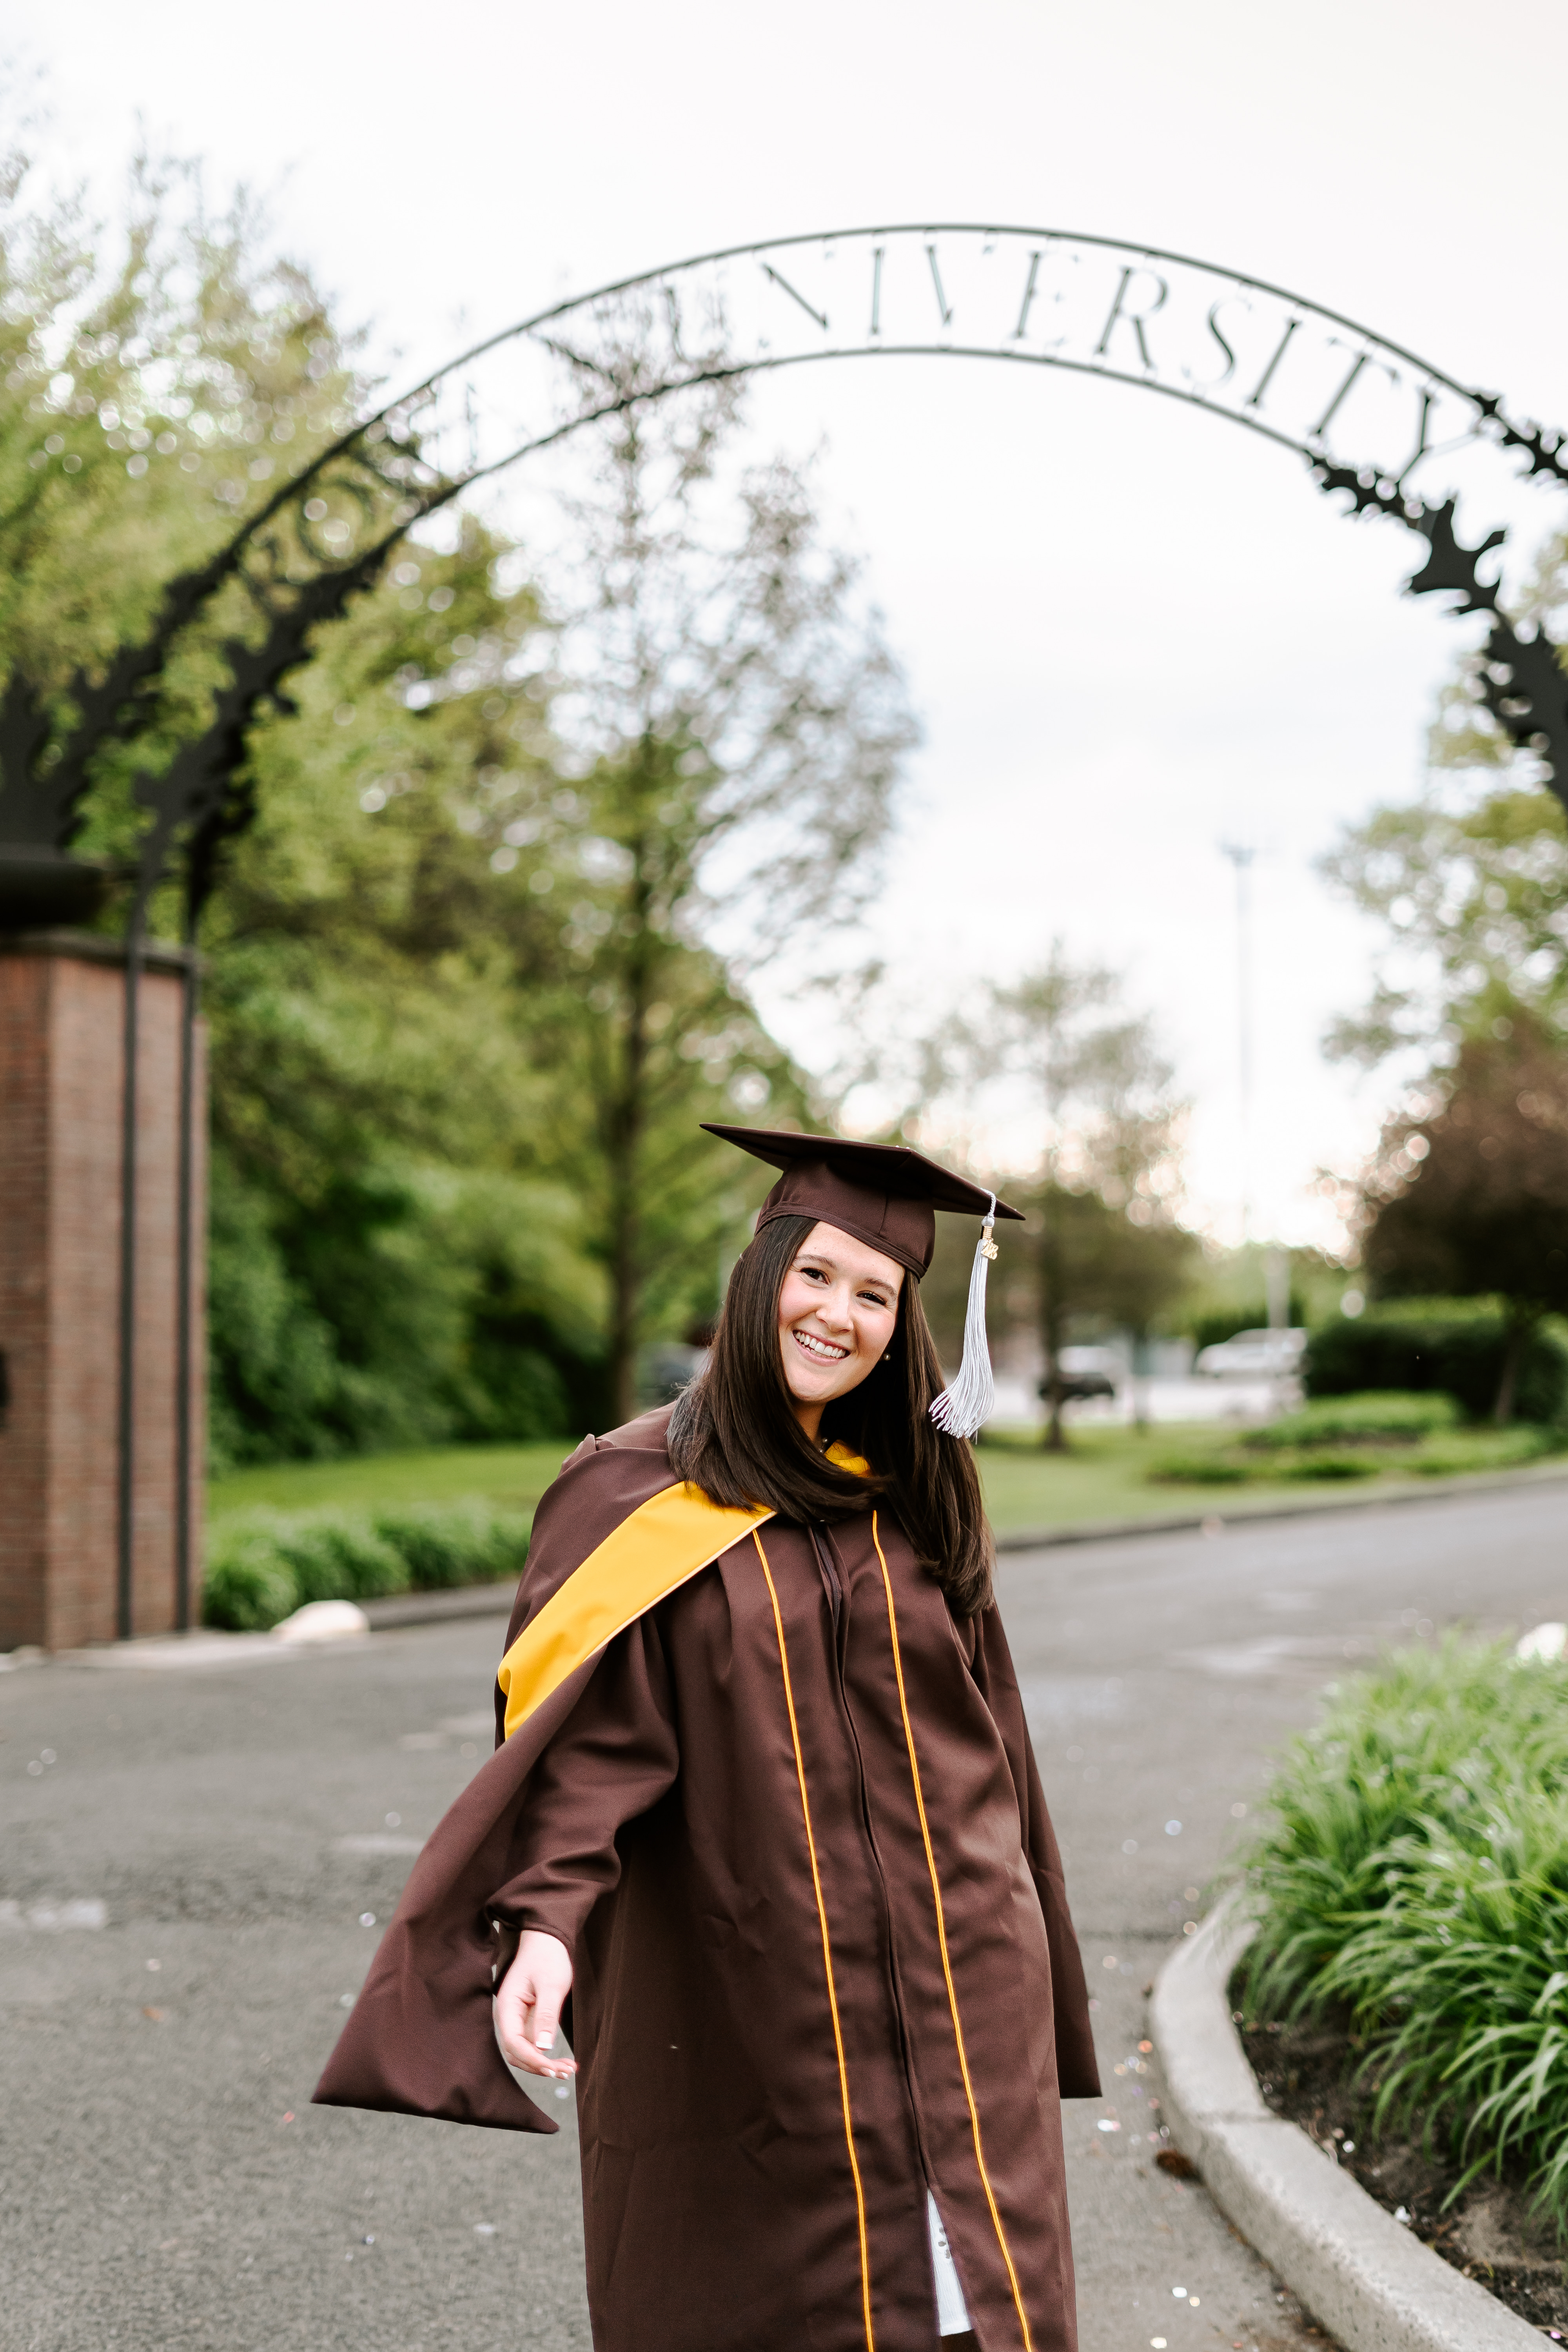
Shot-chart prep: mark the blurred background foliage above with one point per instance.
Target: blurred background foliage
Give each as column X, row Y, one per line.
column 463, row 1017
column 1466, row 1199
column 525, row 835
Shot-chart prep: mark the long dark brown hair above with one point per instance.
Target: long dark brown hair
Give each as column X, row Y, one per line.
column 733, row 1432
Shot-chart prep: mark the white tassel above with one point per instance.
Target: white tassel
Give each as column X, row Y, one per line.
column 964, row 1409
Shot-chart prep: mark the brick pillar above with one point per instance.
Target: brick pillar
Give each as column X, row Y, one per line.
column 62, row 1007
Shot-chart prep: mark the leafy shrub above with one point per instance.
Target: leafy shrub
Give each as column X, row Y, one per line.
column 336, row 1555
column 460, row 1543
column 1199, row 1470
column 1502, row 1449
column 263, row 1567
column 1359, row 1437
column 1417, row 1870
column 1326, row 1465
column 249, row 1587
column 1230, row 1467
column 1381, row 1417
column 359, row 1301
column 1427, row 1345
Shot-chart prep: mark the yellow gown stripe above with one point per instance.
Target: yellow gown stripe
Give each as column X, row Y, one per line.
column 826, row 1950
column 942, row 1942
column 660, row 1546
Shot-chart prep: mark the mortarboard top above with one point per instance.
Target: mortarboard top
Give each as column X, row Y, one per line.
column 883, row 1193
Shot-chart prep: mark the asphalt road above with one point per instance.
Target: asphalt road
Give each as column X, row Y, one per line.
column 196, row 1859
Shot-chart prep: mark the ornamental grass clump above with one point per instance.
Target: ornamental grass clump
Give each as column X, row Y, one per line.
column 1416, row 1874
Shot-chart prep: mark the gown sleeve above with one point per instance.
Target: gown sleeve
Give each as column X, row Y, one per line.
column 1078, row 2070
column 613, row 1758
column 420, row 2038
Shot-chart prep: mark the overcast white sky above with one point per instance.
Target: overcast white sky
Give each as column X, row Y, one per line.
column 1130, row 631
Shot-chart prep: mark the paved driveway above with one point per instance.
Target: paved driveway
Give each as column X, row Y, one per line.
column 168, row 2184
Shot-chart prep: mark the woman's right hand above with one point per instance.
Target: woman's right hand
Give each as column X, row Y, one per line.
column 529, row 2003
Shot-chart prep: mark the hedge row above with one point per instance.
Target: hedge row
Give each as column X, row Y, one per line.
column 264, row 1565
column 1436, row 1346
column 1381, row 1417
column 1416, row 1436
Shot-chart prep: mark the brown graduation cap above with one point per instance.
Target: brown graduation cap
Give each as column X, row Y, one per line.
column 887, row 1195
column 883, row 1193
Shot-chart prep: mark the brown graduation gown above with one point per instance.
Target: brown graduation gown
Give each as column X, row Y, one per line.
column 651, row 1816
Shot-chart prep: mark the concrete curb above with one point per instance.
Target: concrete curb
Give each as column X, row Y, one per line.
column 1487, row 1481
column 1365, row 2277
column 438, row 1608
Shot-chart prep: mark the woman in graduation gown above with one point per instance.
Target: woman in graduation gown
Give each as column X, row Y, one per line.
column 764, row 1833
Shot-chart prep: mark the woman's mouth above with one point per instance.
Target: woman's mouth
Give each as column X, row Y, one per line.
column 823, row 1351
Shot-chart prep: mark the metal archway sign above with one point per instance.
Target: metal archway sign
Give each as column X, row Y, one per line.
column 1308, row 378
column 1367, row 416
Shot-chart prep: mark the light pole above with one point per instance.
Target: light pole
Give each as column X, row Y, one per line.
column 1241, row 855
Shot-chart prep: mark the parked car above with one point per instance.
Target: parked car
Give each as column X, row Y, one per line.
column 1075, row 1388
column 1252, row 1356
column 1081, row 1374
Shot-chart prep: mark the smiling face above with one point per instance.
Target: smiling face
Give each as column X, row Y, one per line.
column 838, row 1311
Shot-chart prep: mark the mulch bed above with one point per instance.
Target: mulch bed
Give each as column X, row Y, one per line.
column 1489, row 2233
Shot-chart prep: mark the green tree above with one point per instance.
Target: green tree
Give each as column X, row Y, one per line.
column 390, row 1262
column 1104, row 1244
column 146, row 400
column 416, row 960
column 476, row 973
column 737, row 725
column 1467, row 1193
column 150, row 392
column 1471, row 879
column 1469, row 1197
column 1107, row 1242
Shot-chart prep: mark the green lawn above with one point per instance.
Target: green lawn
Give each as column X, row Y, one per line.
column 512, row 1477
column 1102, row 1477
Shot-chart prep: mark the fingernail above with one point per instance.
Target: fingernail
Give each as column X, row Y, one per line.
column 546, row 2041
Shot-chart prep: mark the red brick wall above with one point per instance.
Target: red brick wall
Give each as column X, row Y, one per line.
column 61, row 1078
column 199, row 1321
column 25, row 997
